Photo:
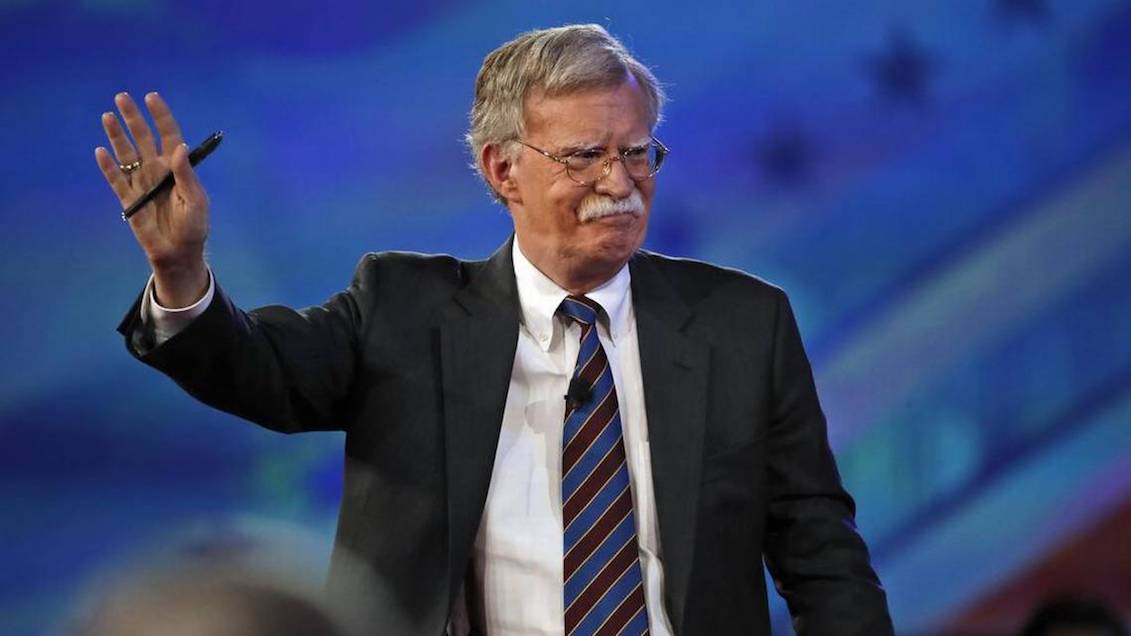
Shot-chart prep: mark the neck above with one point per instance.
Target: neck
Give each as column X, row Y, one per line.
column 576, row 278
column 578, row 283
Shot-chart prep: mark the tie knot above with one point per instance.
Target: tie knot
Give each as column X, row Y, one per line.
column 581, row 309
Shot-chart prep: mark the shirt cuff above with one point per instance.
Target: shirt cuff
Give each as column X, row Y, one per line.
column 169, row 322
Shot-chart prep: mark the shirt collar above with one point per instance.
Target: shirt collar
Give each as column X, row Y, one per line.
column 539, row 298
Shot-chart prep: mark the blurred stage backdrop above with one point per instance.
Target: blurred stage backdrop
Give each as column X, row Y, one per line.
column 944, row 189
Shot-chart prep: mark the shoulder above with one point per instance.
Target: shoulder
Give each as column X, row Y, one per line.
column 699, row 282
column 410, row 280
column 735, row 309
column 442, row 270
column 410, row 263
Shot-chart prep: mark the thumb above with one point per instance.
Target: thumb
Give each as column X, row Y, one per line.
column 185, row 176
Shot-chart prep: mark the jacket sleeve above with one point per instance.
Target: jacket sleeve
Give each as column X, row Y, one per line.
column 819, row 562
column 285, row 369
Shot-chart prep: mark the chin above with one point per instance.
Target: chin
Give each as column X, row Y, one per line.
column 619, row 240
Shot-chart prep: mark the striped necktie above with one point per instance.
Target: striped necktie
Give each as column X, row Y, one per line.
column 603, row 588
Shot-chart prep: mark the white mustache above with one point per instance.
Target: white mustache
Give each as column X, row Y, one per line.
column 596, row 206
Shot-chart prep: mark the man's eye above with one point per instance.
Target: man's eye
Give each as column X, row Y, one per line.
column 636, row 153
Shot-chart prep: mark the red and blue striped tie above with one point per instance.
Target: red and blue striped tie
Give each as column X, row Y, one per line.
column 603, row 587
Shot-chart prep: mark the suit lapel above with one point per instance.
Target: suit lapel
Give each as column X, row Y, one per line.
column 478, row 338
column 674, row 367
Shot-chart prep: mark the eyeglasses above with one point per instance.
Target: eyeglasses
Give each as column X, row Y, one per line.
column 590, row 165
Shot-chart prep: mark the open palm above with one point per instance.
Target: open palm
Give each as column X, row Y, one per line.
column 173, row 227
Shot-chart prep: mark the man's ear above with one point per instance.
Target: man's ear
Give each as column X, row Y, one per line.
column 498, row 166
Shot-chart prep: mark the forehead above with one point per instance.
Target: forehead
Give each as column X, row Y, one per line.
column 593, row 115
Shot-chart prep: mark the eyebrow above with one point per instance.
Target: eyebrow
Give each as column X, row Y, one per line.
column 578, row 147
column 569, row 150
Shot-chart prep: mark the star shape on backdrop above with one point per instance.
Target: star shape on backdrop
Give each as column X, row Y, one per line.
column 901, row 71
column 786, row 155
column 1013, row 11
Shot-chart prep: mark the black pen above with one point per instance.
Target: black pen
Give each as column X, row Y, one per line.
column 196, row 156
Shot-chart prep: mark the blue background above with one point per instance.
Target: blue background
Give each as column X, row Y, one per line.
column 942, row 187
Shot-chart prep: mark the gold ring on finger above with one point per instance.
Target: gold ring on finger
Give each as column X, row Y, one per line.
column 130, row 167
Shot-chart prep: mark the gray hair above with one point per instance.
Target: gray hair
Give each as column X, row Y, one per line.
column 552, row 62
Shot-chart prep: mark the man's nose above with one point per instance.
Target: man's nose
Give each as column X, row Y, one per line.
column 618, row 183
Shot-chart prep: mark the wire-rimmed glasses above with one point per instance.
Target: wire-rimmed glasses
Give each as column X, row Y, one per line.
column 589, row 165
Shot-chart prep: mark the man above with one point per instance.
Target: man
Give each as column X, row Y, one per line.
column 689, row 444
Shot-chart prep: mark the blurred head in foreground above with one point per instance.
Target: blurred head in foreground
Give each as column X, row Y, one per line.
column 229, row 583
column 1074, row 616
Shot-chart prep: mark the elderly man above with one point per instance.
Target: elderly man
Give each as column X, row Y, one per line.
column 574, row 436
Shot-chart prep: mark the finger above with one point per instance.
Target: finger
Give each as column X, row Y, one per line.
column 118, row 181
column 167, row 126
column 123, row 148
column 185, row 176
column 135, row 122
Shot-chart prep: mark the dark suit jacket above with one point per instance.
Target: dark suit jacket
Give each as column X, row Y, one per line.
column 413, row 362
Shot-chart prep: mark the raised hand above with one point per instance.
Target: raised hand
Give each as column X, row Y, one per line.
column 171, row 229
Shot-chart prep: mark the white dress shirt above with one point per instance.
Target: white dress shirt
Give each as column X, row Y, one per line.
column 518, row 550
column 517, row 558
column 168, row 322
